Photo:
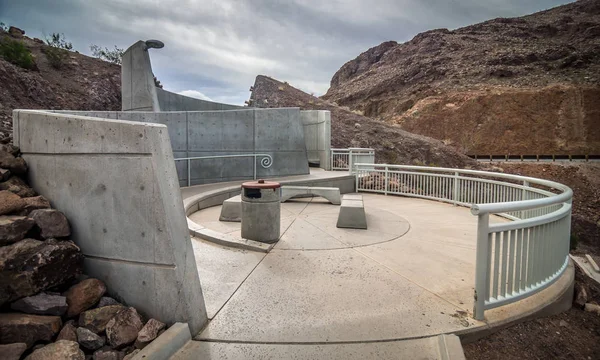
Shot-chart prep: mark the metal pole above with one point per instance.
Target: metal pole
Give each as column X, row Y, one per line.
column 524, row 195
column 455, row 190
column 350, row 160
column 481, row 265
column 386, row 181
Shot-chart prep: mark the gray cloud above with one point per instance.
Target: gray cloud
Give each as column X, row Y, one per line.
column 217, row 47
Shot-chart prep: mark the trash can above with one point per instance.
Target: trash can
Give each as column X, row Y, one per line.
column 261, row 212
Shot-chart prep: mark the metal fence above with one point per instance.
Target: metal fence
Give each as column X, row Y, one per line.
column 265, row 162
column 513, row 259
column 342, row 159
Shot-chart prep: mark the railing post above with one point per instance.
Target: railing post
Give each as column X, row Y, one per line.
column 482, row 277
column 524, row 195
column 455, row 189
column 386, row 181
column 356, row 180
column 350, row 161
column 189, row 173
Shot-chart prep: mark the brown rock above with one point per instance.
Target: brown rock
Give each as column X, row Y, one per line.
column 41, row 304
column 123, row 328
column 16, row 32
column 16, row 166
column 4, row 174
column 103, row 354
column 17, row 186
column 68, row 332
column 12, row 351
column 14, row 228
column 10, row 203
column 89, row 340
column 132, row 354
column 35, row 203
column 53, row 223
column 106, row 301
column 24, row 328
column 581, row 295
column 10, row 148
column 96, row 319
column 84, row 295
column 593, row 308
column 30, row 266
column 148, row 333
column 60, row 350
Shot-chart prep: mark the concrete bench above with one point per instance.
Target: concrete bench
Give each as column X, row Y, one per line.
column 232, row 209
column 329, row 193
column 352, row 213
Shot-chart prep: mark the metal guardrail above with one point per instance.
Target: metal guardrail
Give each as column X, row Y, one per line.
column 265, row 162
column 535, row 158
column 514, row 259
column 342, row 159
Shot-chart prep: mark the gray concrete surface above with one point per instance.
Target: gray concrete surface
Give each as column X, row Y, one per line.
column 317, row 135
column 116, row 183
column 169, row 101
column 331, row 194
column 138, row 91
column 443, row 347
column 352, row 213
column 232, row 209
column 261, row 214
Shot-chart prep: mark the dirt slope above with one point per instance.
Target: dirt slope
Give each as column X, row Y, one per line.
column 392, row 144
column 82, row 83
column 525, row 85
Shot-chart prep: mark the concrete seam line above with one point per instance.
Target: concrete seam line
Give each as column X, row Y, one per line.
column 131, row 262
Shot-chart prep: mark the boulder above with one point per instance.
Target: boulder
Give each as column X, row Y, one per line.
column 29, row 329
column 68, row 332
column 84, row 295
column 10, row 148
column 17, row 186
column 106, row 301
column 10, row 203
column 12, row 351
column 30, row 266
column 104, row 354
column 41, row 304
column 15, row 165
column 14, row 228
column 53, row 223
column 148, row 333
column 581, row 295
column 60, row 350
column 96, row 319
column 132, row 354
column 123, row 328
column 4, row 174
column 35, row 203
column 89, row 340
column 16, row 32
column 593, row 308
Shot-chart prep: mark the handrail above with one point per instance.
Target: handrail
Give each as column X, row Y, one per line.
column 265, row 162
column 343, row 159
column 515, row 259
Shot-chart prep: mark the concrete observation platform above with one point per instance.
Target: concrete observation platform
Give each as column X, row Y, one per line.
column 407, row 278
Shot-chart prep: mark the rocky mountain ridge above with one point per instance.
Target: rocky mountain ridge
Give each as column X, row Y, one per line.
column 534, row 79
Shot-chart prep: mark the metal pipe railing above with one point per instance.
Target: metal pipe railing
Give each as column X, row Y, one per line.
column 342, row 159
column 513, row 260
column 265, row 162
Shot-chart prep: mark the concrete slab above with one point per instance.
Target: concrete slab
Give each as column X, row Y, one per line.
column 324, row 296
column 448, row 348
column 222, row 270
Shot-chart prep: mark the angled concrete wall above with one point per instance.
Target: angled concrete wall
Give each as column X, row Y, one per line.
column 276, row 132
column 169, row 101
column 116, row 182
column 317, row 135
column 138, row 91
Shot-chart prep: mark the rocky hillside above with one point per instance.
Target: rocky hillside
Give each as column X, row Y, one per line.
column 525, row 85
column 348, row 129
column 80, row 83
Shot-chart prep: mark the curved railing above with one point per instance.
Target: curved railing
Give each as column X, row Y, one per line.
column 265, row 162
column 513, row 259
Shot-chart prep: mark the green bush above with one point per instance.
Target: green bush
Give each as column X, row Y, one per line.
column 56, row 56
column 16, row 52
column 114, row 56
column 58, row 41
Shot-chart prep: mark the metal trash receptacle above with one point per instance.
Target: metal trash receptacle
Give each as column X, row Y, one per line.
column 261, row 211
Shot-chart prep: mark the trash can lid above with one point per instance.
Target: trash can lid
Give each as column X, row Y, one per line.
column 261, row 184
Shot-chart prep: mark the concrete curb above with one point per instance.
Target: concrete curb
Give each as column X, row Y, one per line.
column 450, row 347
column 167, row 344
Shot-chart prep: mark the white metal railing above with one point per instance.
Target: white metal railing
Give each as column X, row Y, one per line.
column 265, row 162
column 513, row 259
column 342, row 159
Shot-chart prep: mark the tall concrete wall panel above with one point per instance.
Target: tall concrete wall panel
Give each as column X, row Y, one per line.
column 317, row 135
column 116, row 182
column 169, row 101
column 138, row 90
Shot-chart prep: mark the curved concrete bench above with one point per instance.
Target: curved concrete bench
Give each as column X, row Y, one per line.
column 329, row 193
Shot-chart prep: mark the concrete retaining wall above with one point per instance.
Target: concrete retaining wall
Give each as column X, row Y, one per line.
column 169, row 101
column 277, row 132
column 317, row 136
column 116, row 182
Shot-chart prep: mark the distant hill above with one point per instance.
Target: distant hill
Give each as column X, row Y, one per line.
column 81, row 83
column 527, row 85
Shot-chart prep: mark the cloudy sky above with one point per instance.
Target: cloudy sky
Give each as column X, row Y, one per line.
column 215, row 48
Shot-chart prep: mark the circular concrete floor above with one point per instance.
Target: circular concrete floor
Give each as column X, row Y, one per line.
column 409, row 275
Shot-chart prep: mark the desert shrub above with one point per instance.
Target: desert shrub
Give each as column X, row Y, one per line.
column 3, row 27
column 58, row 41
column 14, row 51
column 56, row 56
column 114, row 56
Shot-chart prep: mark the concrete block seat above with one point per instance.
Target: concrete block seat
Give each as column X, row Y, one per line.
column 352, row 213
column 330, row 193
column 232, row 209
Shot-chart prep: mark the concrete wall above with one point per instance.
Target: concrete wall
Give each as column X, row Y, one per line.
column 138, row 91
column 116, row 182
column 277, row 132
column 317, row 136
column 169, row 101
